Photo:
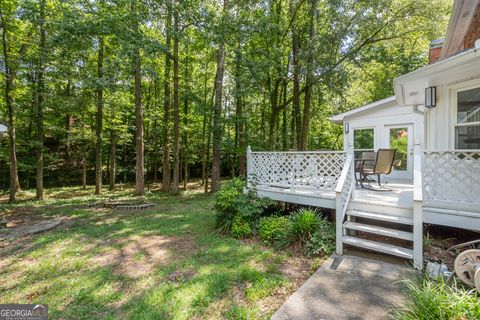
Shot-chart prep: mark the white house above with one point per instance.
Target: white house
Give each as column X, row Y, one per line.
column 379, row 125
column 436, row 180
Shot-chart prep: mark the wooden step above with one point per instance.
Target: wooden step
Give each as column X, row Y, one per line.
column 379, row 216
column 379, row 230
column 379, row 247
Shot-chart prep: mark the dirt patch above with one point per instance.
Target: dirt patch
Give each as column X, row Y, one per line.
column 139, row 256
column 18, row 229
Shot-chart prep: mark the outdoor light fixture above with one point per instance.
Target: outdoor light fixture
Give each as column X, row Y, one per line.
column 430, row 97
column 346, row 127
column 3, row 129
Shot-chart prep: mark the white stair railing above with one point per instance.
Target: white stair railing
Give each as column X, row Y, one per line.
column 343, row 194
column 417, row 209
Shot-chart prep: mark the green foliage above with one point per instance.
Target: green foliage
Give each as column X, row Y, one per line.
column 273, row 229
column 226, row 198
column 322, row 241
column 429, row 299
column 303, row 224
column 240, row 228
column 231, row 202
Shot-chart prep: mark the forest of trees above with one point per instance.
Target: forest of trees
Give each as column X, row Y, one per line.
column 109, row 91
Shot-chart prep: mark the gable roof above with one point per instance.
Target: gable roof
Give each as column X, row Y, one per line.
column 377, row 104
column 462, row 27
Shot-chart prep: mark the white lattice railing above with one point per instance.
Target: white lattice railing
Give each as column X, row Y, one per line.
column 452, row 176
column 318, row 170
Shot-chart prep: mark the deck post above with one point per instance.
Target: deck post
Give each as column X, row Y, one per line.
column 338, row 223
column 249, row 166
column 417, row 209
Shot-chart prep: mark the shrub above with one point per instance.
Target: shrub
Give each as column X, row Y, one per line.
column 429, row 299
column 303, row 224
column 240, row 228
column 322, row 241
column 226, row 197
column 231, row 202
column 273, row 229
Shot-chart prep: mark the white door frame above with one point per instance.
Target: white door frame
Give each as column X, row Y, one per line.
column 397, row 174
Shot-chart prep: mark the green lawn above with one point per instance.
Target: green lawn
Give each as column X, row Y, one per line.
column 163, row 263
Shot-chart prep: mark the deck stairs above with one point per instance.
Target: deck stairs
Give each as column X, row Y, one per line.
column 380, row 228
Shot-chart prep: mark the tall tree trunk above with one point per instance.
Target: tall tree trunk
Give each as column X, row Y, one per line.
column 240, row 125
column 98, row 131
column 166, row 105
column 204, row 127
column 113, row 163
column 284, row 124
column 139, row 147
column 309, row 79
column 84, row 171
column 176, row 116
column 10, row 76
column 296, row 77
column 185, row 131
column 40, row 103
column 217, row 126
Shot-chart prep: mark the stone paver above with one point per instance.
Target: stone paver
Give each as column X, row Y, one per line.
column 348, row 287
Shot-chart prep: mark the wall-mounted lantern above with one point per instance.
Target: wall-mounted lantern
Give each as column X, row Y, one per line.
column 3, row 129
column 346, row 127
column 430, row 97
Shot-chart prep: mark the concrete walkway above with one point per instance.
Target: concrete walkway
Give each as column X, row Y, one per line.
column 347, row 287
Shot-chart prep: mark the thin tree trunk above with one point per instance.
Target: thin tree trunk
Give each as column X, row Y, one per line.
column 139, row 147
column 166, row 106
column 98, row 132
column 309, row 80
column 284, row 125
column 10, row 76
column 40, row 104
column 176, row 116
column 296, row 79
column 84, row 171
column 185, row 131
column 113, row 150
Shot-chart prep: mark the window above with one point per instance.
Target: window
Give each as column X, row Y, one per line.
column 363, row 140
column 467, row 128
column 399, row 142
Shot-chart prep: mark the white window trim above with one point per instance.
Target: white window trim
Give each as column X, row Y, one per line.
column 453, row 92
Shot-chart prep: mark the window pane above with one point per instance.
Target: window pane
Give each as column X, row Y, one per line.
column 467, row 137
column 468, row 106
column 399, row 141
column 363, row 139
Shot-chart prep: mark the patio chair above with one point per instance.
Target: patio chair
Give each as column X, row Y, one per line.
column 383, row 165
column 366, row 161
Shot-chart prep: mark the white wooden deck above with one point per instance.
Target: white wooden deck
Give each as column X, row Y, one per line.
column 400, row 195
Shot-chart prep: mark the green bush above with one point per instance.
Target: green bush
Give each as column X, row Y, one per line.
column 231, row 202
column 303, row 224
column 322, row 241
column 240, row 228
column 226, row 197
column 273, row 229
column 429, row 299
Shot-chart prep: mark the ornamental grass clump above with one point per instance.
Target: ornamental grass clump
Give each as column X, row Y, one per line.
column 431, row 299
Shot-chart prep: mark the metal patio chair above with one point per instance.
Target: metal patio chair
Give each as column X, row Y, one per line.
column 383, row 165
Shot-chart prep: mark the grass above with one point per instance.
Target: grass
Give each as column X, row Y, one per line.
column 163, row 263
column 435, row 300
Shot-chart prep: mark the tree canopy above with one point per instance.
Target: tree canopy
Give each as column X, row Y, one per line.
column 126, row 90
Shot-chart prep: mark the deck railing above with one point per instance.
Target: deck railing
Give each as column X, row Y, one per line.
column 318, row 170
column 451, row 176
column 343, row 194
